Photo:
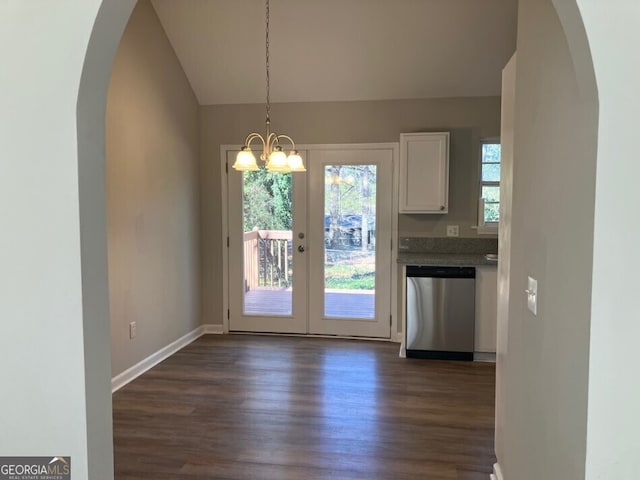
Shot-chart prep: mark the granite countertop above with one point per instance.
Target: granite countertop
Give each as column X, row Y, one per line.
column 426, row 258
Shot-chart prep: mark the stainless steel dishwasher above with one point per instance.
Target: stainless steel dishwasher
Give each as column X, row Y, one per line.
column 440, row 312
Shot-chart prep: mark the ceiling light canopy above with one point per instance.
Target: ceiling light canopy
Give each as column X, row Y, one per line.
column 275, row 158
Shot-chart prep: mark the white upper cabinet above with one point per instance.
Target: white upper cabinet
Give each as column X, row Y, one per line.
column 424, row 172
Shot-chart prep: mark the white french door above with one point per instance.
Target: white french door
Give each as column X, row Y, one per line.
column 267, row 216
column 350, row 256
column 311, row 253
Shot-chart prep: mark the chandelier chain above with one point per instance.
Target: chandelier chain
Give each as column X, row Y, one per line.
column 267, row 63
column 272, row 154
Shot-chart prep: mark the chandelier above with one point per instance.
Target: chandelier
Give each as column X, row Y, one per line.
column 272, row 154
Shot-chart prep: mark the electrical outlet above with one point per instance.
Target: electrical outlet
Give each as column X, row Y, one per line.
column 132, row 330
column 453, row 230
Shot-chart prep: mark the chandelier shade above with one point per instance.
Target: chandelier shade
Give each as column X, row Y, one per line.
column 246, row 160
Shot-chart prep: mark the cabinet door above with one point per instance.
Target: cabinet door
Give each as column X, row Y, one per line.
column 424, row 172
column 486, row 308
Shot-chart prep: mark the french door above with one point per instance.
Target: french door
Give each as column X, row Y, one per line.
column 311, row 252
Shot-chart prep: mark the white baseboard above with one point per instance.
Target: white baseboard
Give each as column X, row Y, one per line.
column 497, row 472
column 152, row 360
column 210, row 329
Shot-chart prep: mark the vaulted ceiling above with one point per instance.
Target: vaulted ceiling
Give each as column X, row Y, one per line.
column 336, row 50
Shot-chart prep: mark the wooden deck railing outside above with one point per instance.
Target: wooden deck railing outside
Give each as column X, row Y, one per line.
column 267, row 258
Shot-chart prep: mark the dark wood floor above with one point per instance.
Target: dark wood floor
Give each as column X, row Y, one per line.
column 277, row 408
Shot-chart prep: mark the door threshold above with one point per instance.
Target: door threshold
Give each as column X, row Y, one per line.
column 311, row 335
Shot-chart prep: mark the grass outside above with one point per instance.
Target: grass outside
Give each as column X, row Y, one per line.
column 351, row 275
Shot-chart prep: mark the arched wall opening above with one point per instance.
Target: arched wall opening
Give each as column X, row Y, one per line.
column 147, row 180
column 552, row 220
column 107, row 31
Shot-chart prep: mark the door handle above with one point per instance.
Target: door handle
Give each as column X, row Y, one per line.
column 301, row 248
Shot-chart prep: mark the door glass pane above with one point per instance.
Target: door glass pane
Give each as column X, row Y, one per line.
column 350, row 241
column 267, row 223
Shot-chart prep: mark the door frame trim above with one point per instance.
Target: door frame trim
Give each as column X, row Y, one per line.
column 224, row 206
column 396, row 336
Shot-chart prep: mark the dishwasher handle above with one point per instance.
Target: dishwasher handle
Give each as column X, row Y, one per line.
column 431, row 271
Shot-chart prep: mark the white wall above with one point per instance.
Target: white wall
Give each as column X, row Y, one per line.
column 152, row 150
column 613, row 444
column 55, row 368
column 571, row 400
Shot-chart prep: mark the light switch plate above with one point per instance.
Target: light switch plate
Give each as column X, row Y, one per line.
column 453, row 230
column 532, row 295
